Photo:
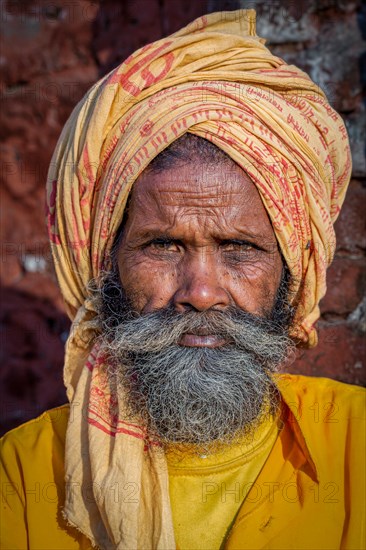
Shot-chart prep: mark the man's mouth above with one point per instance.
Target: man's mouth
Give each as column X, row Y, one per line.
column 201, row 339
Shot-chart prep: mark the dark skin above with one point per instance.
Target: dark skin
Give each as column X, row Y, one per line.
column 199, row 239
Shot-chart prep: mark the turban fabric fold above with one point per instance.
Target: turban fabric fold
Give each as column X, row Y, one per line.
column 216, row 79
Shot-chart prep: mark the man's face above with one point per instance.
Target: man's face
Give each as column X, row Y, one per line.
column 197, row 238
column 195, row 314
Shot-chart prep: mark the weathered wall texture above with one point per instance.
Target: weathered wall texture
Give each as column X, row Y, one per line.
column 51, row 53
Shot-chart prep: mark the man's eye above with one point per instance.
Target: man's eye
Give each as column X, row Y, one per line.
column 163, row 244
column 237, row 246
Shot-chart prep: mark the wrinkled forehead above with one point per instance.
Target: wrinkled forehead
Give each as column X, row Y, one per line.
column 196, row 183
column 194, row 168
column 202, row 195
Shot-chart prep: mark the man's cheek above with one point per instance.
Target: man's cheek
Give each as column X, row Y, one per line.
column 148, row 284
column 159, row 288
column 253, row 283
column 132, row 269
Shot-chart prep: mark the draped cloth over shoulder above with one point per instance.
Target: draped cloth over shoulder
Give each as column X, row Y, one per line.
column 216, row 79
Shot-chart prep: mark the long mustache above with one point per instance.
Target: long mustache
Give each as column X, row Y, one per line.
column 161, row 329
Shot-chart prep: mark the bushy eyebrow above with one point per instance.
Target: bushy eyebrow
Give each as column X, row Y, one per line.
column 149, row 234
column 152, row 233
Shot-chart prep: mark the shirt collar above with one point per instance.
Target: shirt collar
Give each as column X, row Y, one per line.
column 297, row 419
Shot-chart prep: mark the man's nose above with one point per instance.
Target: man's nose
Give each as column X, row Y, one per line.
column 200, row 287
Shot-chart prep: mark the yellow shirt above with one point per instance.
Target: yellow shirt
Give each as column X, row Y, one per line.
column 207, row 491
column 309, row 494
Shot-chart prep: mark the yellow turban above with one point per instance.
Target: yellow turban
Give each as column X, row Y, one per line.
column 216, row 79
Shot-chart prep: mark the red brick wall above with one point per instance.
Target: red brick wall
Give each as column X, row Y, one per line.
column 51, row 53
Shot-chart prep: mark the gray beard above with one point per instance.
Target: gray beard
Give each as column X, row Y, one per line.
column 188, row 395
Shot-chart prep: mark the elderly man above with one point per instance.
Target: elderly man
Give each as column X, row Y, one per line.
column 191, row 202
